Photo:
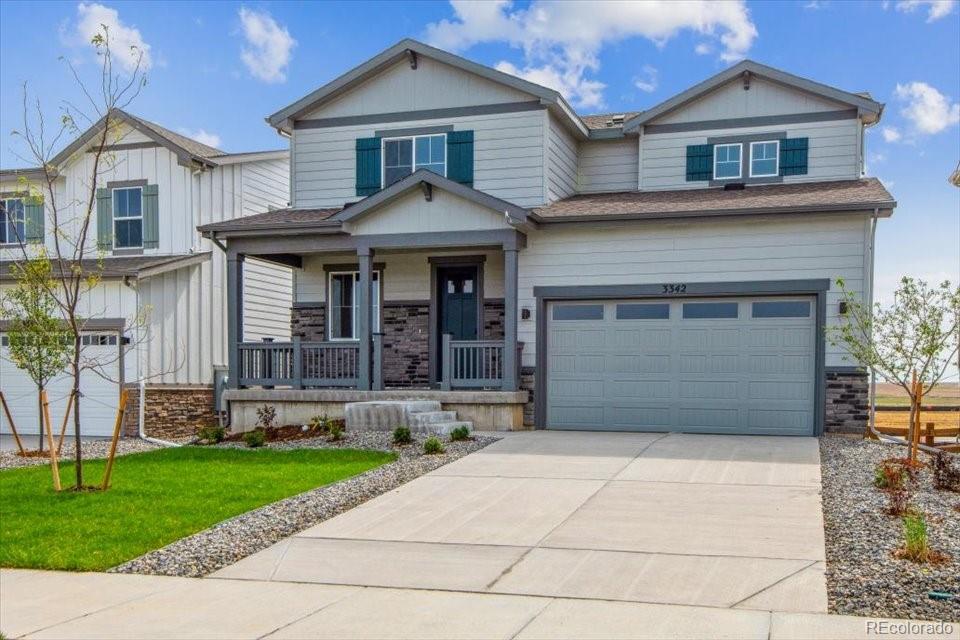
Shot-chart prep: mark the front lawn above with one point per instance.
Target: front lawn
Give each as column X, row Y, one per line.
column 157, row 497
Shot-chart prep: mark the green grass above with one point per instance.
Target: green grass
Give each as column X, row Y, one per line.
column 156, row 498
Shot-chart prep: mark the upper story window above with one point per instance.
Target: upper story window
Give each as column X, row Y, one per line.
column 403, row 156
column 12, row 228
column 343, row 307
column 726, row 161
column 128, row 218
column 764, row 159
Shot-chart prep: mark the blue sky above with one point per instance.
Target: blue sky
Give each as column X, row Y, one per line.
column 217, row 69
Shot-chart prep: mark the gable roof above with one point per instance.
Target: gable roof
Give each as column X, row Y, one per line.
column 122, row 266
column 863, row 103
column 281, row 120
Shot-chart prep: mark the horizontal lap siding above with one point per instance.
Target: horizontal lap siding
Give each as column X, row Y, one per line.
column 561, row 162
column 508, row 158
column 721, row 251
column 834, row 152
column 608, row 165
column 267, row 297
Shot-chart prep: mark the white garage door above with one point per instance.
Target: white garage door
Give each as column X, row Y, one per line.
column 98, row 407
column 721, row 365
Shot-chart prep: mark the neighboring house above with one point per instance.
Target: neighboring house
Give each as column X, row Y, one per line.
column 155, row 186
column 667, row 269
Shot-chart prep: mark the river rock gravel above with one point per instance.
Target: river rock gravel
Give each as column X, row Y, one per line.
column 236, row 538
column 863, row 576
column 90, row 449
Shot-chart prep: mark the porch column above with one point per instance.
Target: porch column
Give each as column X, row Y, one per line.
column 234, row 317
column 510, row 303
column 364, row 322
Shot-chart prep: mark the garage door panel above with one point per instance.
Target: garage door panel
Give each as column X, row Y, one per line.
column 708, row 418
column 626, row 416
column 798, row 338
column 772, row 364
column 638, row 364
column 639, row 389
column 709, row 389
column 779, row 421
column 779, row 390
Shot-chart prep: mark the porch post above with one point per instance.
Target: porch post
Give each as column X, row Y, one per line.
column 510, row 302
column 364, row 324
column 234, row 317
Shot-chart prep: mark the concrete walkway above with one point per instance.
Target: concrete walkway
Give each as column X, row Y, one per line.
column 715, row 521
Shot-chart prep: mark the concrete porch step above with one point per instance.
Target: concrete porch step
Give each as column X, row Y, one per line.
column 444, row 428
column 427, row 417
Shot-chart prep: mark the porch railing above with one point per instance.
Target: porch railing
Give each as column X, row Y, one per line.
column 300, row 364
column 473, row 364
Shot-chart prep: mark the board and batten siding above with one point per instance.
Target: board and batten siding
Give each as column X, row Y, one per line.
column 834, row 152
column 508, row 153
column 815, row 246
column 608, row 165
column 561, row 156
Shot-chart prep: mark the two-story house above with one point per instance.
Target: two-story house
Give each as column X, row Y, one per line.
column 463, row 235
column 155, row 320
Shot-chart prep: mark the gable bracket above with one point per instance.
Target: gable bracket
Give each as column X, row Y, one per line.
column 427, row 189
column 412, row 56
column 746, row 81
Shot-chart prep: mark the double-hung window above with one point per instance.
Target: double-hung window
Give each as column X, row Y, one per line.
column 403, row 156
column 128, row 218
column 342, row 296
column 726, row 161
column 11, row 222
column 764, row 159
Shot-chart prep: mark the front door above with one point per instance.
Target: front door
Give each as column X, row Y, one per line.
column 458, row 302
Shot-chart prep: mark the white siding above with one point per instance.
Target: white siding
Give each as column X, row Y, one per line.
column 608, row 165
column 508, row 158
column 561, row 161
column 833, row 154
column 265, row 185
column 412, row 213
column 800, row 248
column 267, row 297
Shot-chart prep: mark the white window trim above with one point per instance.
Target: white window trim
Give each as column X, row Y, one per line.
column 12, row 242
column 356, row 274
column 739, row 164
column 776, row 158
column 113, row 194
column 413, row 153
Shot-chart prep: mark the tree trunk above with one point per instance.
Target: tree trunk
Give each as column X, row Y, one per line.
column 40, row 417
column 76, row 409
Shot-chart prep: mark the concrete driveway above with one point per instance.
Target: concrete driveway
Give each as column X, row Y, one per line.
column 714, row 521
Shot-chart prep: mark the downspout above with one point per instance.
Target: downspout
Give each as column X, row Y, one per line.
column 142, row 385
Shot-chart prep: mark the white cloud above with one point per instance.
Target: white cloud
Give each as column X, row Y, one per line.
column 561, row 41
column 269, row 46
column 891, row 134
column 648, row 80
column 936, row 9
column 202, row 136
column 126, row 42
column 927, row 109
column 814, row 5
column 703, row 49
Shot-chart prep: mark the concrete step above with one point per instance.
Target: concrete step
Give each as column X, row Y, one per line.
column 427, row 417
column 443, row 428
column 385, row 414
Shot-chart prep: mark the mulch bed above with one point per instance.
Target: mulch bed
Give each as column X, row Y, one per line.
column 864, row 575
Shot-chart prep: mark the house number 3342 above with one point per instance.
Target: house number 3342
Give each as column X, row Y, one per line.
column 675, row 288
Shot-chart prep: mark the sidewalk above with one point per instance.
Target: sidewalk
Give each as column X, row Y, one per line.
column 46, row 604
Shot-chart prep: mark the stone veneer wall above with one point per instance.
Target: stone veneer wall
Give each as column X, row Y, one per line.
column 406, row 344
column 847, row 400
column 172, row 411
column 309, row 322
column 528, row 384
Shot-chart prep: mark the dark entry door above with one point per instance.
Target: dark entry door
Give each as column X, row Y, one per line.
column 458, row 302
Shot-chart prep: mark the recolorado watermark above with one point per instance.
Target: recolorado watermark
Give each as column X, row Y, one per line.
column 909, row 628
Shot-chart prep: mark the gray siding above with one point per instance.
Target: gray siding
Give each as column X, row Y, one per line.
column 561, row 161
column 608, row 165
column 265, row 186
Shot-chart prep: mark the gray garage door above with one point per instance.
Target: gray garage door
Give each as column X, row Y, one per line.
column 721, row 365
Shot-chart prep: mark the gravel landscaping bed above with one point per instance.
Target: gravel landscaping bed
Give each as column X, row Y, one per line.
column 90, row 449
column 236, row 538
column 863, row 576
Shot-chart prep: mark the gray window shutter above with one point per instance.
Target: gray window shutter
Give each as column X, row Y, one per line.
column 368, row 166
column 104, row 219
column 793, row 156
column 151, row 217
column 33, row 218
column 699, row 162
column 460, row 157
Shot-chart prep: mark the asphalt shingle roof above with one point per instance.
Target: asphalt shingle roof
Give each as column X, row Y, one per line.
column 600, row 120
column 112, row 266
column 273, row 219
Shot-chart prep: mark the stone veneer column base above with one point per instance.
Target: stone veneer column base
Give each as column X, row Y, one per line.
column 171, row 411
column 528, row 384
column 847, row 401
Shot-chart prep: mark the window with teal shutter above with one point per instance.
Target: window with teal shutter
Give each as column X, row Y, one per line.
column 151, row 217
column 368, row 166
column 460, row 157
column 699, row 162
column 793, row 156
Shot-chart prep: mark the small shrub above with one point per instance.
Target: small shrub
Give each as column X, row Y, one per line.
column 255, row 438
column 432, row 445
column 401, row 435
column 213, row 433
column 266, row 416
column 335, row 429
column 946, row 473
column 460, row 433
column 320, row 424
column 898, row 501
column 894, row 473
column 915, row 545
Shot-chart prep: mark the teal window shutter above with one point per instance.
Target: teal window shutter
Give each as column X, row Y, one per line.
column 699, row 162
column 33, row 218
column 793, row 156
column 104, row 220
column 151, row 217
column 368, row 166
column 460, row 157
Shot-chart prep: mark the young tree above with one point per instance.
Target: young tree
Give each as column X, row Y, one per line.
column 38, row 342
column 917, row 334
column 76, row 264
